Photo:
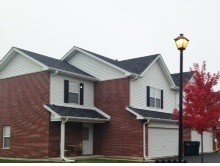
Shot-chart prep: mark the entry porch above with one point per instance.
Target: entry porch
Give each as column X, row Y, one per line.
column 72, row 130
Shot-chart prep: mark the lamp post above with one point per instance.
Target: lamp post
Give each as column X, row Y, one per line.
column 181, row 44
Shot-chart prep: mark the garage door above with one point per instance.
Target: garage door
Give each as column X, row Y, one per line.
column 207, row 140
column 162, row 142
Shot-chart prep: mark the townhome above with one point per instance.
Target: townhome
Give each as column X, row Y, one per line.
column 106, row 107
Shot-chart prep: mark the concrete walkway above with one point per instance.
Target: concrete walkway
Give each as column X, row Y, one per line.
column 208, row 158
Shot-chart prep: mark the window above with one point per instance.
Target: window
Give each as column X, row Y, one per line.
column 6, row 137
column 154, row 97
column 73, row 92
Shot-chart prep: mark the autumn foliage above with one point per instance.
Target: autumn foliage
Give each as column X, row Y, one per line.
column 201, row 104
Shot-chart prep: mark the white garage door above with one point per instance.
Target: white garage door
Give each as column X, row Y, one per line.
column 162, row 142
column 207, row 140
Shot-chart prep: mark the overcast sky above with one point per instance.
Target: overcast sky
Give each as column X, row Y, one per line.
column 118, row 29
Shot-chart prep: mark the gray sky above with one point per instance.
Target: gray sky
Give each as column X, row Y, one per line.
column 118, row 29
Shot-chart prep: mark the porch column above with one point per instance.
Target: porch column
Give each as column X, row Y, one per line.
column 62, row 138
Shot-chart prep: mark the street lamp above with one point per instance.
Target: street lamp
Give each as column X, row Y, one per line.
column 181, row 44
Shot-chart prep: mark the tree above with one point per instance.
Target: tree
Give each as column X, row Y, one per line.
column 201, row 105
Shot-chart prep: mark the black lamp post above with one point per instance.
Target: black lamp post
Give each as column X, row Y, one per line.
column 181, row 44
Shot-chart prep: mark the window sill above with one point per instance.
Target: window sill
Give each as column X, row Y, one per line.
column 5, row 148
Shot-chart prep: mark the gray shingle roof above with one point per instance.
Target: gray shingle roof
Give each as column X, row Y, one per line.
column 186, row 77
column 54, row 63
column 152, row 114
column 135, row 65
column 76, row 112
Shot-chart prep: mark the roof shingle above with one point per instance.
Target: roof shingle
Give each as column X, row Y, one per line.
column 186, row 77
column 54, row 63
column 135, row 65
column 76, row 112
column 152, row 114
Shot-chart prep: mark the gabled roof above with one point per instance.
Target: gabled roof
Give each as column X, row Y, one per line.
column 186, row 77
column 53, row 63
column 148, row 114
column 75, row 113
column 134, row 65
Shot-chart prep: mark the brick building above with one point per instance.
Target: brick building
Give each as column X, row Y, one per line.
column 89, row 102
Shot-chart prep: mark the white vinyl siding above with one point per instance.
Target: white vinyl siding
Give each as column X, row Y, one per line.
column 154, row 77
column 20, row 65
column 6, row 137
column 94, row 67
column 57, row 90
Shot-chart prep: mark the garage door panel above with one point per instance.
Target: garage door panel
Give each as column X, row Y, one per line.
column 207, row 140
column 162, row 142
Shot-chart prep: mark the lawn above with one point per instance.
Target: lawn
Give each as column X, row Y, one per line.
column 77, row 161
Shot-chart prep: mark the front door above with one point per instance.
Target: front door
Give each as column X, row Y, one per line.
column 87, row 139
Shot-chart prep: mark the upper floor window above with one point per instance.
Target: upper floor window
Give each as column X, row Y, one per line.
column 74, row 89
column 154, row 97
column 73, row 92
column 6, row 137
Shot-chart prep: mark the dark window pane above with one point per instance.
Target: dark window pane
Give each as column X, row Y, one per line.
column 6, row 142
column 158, row 102
column 73, row 98
column 152, row 102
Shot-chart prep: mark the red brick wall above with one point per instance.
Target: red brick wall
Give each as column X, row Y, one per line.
column 21, row 107
column 122, row 135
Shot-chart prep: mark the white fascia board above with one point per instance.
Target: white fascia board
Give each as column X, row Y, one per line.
column 165, row 71
column 68, row 53
column 161, row 120
column 135, row 113
column 82, row 119
column 73, row 74
column 99, row 59
column 142, row 74
column 57, row 116
column 3, row 61
column 102, row 113
column 6, row 56
column 103, row 61
column 32, row 59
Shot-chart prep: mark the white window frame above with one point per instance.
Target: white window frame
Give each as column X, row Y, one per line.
column 155, row 97
column 6, row 135
column 74, row 91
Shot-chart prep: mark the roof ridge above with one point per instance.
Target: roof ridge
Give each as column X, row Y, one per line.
column 54, row 63
column 36, row 53
column 139, row 57
column 97, row 54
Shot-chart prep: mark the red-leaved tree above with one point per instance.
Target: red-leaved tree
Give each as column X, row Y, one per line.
column 201, row 104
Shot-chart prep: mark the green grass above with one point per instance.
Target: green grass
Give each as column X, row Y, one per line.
column 77, row 161
column 106, row 161
column 22, row 161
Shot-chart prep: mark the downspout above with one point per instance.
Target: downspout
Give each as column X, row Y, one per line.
column 62, row 141
column 144, row 139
